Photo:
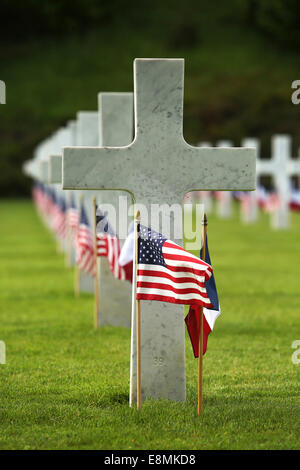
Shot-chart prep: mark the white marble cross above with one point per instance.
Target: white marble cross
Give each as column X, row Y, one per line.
column 224, row 204
column 2, row 92
column 159, row 167
column 281, row 166
column 87, row 134
column 115, row 121
column 55, row 179
column 115, row 129
column 83, row 131
column 251, row 215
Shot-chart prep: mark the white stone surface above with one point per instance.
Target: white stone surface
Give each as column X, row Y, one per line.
column 205, row 197
column 2, row 92
column 87, row 134
column 159, row 167
column 224, row 204
column 251, row 216
column 115, row 129
column 55, row 169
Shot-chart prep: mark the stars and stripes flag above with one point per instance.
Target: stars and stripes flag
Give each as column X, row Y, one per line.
column 59, row 217
column 268, row 201
column 85, row 246
column 50, row 207
column 273, row 202
column 38, row 195
column 108, row 245
column 43, row 199
column 210, row 314
column 73, row 219
column 168, row 273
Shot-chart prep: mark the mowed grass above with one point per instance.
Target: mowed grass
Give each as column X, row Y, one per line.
column 65, row 385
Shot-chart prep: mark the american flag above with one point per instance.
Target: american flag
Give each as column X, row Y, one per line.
column 59, row 217
column 73, row 219
column 50, row 207
column 38, row 195
column 273, row 202
column 210, row 314
column 42, row 196
column 108, row 245
column 85, row 246
column 268, row 201
column 168, row 273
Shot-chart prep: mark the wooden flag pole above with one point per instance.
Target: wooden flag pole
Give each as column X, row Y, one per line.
column 96, row 279
column 138, row 320
column 200, row 358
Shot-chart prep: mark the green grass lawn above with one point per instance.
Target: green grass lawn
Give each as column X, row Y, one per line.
column 65, row 385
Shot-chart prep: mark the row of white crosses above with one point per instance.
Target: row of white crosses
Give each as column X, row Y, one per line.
column 158, row 167
column 281, row 166
column 112, row 125
column 43, row 169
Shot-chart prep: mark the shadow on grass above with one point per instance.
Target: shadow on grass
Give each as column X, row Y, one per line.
column 113, row 399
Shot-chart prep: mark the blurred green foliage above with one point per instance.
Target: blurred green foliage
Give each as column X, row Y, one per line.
column 278, row 18
column 56, row 56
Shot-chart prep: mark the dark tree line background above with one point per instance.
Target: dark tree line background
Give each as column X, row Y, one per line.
column 241, row 56
column 279, row 19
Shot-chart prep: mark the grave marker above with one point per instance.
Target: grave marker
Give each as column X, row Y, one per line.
column 115, row 129
column 251, row 215
column 159, row 167
column 87, row 135
column 281, row 166
column 224, row 205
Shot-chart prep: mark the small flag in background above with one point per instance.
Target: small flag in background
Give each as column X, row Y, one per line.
column 268, row 201
column 210, row 314
column 168, row 273
column 273, row 202
column 59, row 217
column 245, row 203
column 84, row 245
column 73, row 220
column 108, row 244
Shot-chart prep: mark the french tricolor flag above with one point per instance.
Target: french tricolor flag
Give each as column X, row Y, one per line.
column 126, row 254
column 192, row 320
